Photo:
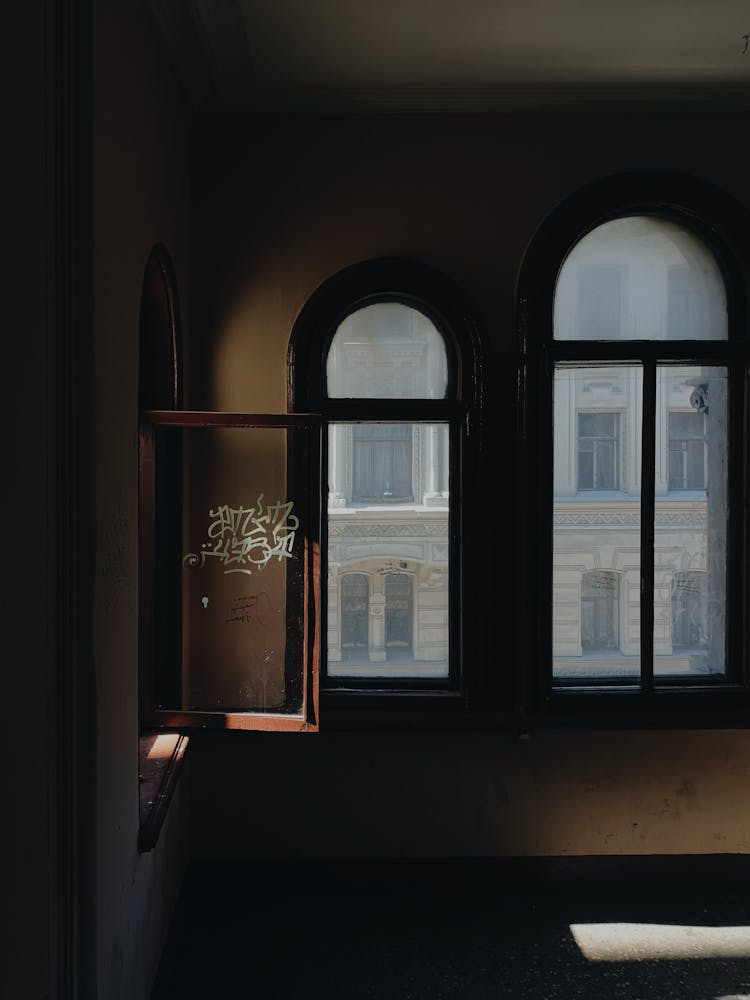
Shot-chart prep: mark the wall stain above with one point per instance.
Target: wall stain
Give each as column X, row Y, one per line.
column 687, row 793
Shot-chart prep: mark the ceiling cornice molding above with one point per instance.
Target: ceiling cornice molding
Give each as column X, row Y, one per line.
column 208, row 45
column 511, row 97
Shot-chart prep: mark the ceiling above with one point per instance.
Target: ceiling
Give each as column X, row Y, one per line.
column 459, row 55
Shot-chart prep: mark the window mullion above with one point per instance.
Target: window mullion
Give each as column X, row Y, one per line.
column 648, row 467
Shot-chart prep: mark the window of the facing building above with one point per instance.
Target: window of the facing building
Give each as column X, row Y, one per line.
column 687, row 450
column 598, row 451
column 379, row 351
column 644, row 357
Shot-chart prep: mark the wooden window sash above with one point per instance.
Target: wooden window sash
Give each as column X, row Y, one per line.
column 160, row 717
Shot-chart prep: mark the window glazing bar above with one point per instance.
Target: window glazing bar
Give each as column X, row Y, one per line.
column 648, row 475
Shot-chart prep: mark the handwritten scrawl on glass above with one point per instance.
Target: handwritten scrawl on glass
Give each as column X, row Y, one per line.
column 245, row 539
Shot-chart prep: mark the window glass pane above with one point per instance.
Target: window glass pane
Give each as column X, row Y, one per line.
column 640, row 278
column 597, row 522
column 599, row 301
column 387, row 351
column 388, row 548
column 232, row 528
column 690, row 532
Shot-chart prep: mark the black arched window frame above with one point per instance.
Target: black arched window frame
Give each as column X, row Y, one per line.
column 722, row 226
column 418, row 287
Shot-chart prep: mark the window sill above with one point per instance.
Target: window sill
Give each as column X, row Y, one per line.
column 376, row 708
column 698, row 707
column 160, row 759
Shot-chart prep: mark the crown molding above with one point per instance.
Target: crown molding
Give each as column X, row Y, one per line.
column 506, row 97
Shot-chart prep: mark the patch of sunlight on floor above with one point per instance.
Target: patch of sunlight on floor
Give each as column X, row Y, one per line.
column 637, row 942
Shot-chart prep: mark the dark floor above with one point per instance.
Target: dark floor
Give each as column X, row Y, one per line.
column 390, row 932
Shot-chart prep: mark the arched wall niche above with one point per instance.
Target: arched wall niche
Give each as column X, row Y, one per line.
column 160, row 348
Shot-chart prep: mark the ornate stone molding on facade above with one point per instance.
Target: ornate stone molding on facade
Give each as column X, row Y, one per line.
column 681, row 519
column 630, row 519
column 388, row 530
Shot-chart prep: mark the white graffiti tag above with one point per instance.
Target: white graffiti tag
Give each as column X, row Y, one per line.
column 244, row 539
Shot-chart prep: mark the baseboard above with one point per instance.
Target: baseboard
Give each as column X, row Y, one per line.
column 333, row 877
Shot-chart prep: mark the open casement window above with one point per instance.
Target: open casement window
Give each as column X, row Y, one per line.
column 636, row 351
column 231, row 564
column 380, row 351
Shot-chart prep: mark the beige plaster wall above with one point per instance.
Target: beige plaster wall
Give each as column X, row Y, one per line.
column 458, row 794
column 282, row 203
column 140, row 197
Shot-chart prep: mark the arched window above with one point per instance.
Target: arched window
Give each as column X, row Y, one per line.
column 386, row 352
column 635, row 357
column 159, row 375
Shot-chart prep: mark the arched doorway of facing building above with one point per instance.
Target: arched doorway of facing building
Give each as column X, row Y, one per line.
column 355, row 595
column 689, row 610
column 600, row 625
column 399, row 616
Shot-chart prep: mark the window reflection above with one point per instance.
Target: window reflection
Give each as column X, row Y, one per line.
column 640, row 278
column 388, row 539
column 597, row 521
column 388, row 501
column 387, row 351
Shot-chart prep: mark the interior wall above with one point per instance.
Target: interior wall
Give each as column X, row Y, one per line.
column 459, row 794
column 284, row 202
column 27, row 956
column 140, row 197
column 281, row 204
